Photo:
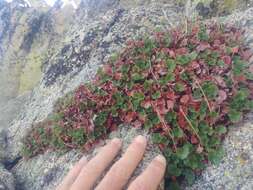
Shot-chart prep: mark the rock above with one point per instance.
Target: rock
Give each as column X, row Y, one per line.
column 3, row 144
column 44, row 172
column 7, row 181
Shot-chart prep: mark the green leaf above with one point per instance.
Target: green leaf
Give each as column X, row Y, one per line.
column 125, row 68
column 210, row 89
column 183, row 59
column 205, row 128
column 211, row 62
column 215, row 156
column 139, row 96
column 214, row 141
column 142, row 64
column 183, row 152
column 249, row 75
column 220, row 129
column 171, row 65
column 101, row 118
column 170, row 116
column 156, row 95
column 238, row 65
column 174, row 186
column 177, row 132
column 137, row 77
column 184, row 76
column 194, row 161
column 154, row 118
column 148, row 84
column 193, row 55
column 189, row 176
column 203, row 110
column 197, row 93
column 174, row 170
column 167, row 78
column 158, row 138
column 240, row 100
column 202, row 35
column 78, row 136
column 234, row 116
column 179, row 87
column 213, row 114
column 148, row 125
column 220, row 63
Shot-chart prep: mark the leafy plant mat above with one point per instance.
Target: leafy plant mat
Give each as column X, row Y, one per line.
column 185, row 87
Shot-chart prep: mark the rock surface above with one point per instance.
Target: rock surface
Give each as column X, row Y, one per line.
column 7, row 181
column 45, row 53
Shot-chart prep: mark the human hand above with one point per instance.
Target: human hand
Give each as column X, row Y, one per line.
column 84, row 174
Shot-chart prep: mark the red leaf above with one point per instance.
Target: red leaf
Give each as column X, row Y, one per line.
column 170, row 104
column 171, row 95
column 216, row 43
column 130, row 116
column 220, row 81
column 226, row 59
column 117, row 76
column 202, row 46
column 146, row 103
column 181, row 51
column 194, row 140
column 181, row 121
column 247, row 54
column 195, row 65
column 185, row 99
column 235, row 49
column 137, row 124
column 160, row 106
column 240, row 78
column 107, row 69
column 172, row 53
column 251, row 68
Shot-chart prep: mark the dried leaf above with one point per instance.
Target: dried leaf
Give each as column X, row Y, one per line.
column 222, row 96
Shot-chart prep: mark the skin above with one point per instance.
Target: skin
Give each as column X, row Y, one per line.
column 84, row 174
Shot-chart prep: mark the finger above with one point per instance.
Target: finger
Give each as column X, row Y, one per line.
column 72, row 175
column 94, row 168
column 121, row 171
column 151, row 178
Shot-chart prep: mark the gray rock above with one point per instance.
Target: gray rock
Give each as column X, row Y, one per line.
column 7, row 181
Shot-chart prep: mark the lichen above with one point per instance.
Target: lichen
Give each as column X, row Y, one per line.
column 31, row 73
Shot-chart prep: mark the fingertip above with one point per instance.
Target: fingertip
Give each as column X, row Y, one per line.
column 161, row 159
column 117, row 142
column 83, row 160
column 141, row 140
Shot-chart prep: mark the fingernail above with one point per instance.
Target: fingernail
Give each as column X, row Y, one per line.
column 116, row 141
column 161, row 159
column 140, row 139
column 83, row 160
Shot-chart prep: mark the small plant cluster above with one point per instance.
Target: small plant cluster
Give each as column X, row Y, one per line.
column 185, row 88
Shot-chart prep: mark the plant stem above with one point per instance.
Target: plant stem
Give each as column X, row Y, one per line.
column 165, row 128
column 189, row 122
column 205, row 97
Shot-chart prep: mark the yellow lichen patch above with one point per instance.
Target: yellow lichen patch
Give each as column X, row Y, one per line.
column 230, row 5
column 30, row 74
